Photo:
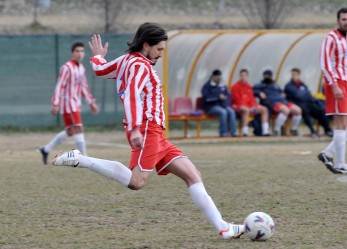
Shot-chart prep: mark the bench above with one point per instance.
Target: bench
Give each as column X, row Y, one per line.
column 182, row 110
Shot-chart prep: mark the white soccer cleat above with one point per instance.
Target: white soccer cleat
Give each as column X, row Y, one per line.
column 233, row 231
column 69, row 158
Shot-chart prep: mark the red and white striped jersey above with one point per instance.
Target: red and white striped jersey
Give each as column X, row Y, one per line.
column 334, row 57
column 138, row 87
column 71, row 86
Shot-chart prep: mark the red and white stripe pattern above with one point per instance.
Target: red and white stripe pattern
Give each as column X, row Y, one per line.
column 71, row 86
column 138, row 86
column 333, row 57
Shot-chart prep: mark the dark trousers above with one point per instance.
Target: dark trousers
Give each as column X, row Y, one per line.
column 316, row 111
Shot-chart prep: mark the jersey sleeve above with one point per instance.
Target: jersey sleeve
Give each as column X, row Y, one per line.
column 328, row 47
column 104, row 69
column 136, row 78
column 64, row 74
column 86, row 93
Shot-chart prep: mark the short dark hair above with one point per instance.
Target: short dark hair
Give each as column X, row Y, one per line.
column 297, row 70
column 342, row 10
column 243, row 70
column 75, row 45
column 216, row 72
column 148, row 32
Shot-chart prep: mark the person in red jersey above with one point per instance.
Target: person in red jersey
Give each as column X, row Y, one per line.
column 334, row 66
column 140, row 91
column 243, row 102
column 71, row 86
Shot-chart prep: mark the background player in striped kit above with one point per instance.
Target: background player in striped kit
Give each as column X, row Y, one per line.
column 140, row 90
column 71, row 86
column 334, row 66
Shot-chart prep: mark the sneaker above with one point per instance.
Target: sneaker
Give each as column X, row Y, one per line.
column 340, row 170
column 233, row 231
column 275, row 134
column 328, row 162
column 69, row 158
column 329, row 133
column 44, row 155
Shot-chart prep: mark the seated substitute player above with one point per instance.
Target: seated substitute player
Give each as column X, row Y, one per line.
column 140, row 91
column 298, row 93
column 243, row 102
column 71, row 85
column 216, row 99
column 271, row 96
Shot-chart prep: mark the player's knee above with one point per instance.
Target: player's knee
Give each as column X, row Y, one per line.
column 69, row 131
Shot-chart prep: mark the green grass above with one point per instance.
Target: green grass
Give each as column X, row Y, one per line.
column 46, row 207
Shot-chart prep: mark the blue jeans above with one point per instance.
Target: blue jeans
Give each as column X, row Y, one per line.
column 227, row 119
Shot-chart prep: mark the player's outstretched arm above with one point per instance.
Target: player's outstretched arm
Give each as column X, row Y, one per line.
column 96, row 46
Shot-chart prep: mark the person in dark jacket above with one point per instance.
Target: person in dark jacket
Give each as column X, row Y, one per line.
column 271, row 95
column 216, row 99
column 297, row 92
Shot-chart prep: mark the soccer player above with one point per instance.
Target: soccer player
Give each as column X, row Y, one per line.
column 334, row 67
column 140, row 91
column 71, row 85
column 243, row 101
column 271, row 95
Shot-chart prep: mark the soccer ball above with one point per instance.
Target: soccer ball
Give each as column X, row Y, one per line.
column 259, row 226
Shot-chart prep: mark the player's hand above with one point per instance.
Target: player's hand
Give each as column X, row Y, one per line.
column 262, row 95
column 136, row 139
column 55, row 110
column 338, row 94
column 95, row 45
column 95, row 108
column 223, row 96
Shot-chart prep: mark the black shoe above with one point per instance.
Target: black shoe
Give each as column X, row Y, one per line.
column 44, row 155
column 328, row 162
column 294, row 133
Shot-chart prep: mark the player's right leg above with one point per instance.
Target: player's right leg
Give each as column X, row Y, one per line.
column 57, row 140
column 134, row 179
column 264, row 114
column 186, row 170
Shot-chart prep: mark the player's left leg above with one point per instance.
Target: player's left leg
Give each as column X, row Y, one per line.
column 296, row 118
column 245, row 111
column 77, row 130
column 185, row 169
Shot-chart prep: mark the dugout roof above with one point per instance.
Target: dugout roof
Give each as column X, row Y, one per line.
column 191, row 56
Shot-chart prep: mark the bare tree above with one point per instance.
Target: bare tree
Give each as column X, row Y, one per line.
column 268, row 14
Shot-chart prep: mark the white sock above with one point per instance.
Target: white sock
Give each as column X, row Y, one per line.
column 80, row 143
column 339, row 140
column 265, row 128
column 295, row 122
column 58, row 139
column 330, row 149
column 245, row 130
column 111, row 169
column 206, row 205
column 281, row 118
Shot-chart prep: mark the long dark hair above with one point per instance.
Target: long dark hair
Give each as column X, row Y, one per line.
column 151, row 33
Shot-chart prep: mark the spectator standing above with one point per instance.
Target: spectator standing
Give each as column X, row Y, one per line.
column 271, row 96
column 216, row 99
column 297, row 92
column 243, row 102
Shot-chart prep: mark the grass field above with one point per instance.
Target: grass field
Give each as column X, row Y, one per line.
column 45, row 207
